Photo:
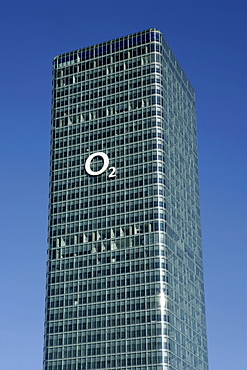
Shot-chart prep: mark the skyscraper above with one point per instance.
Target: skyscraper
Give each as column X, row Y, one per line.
column 124, row 270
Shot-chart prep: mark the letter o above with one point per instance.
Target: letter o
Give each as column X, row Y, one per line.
column 89, row 160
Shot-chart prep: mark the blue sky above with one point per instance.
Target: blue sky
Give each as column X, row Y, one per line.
column 209, row 39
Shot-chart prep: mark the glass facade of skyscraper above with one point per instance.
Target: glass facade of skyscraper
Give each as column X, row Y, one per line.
column 124, row 268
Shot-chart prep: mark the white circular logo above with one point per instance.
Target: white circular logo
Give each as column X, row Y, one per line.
column 89, row 160
column 104, row 167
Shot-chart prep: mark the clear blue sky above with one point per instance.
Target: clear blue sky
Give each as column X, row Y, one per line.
column 209, row 39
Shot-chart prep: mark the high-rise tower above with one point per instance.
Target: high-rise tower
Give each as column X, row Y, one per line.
column 124, row 270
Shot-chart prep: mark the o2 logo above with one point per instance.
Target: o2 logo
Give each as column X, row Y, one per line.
column 105, row 166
